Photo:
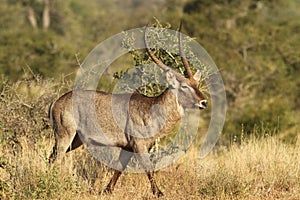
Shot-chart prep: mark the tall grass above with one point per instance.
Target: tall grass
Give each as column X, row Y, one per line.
column 255, row 168
column 264, row 168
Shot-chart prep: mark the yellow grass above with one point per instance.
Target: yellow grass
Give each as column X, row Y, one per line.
column 257, row 169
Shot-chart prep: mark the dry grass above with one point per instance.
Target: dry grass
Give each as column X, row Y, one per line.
column 257, row 169
column 264, row 168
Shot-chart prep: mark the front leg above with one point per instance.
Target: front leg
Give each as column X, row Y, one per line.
column 155, row 190
column 142, row 155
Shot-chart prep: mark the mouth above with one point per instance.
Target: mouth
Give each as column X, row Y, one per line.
column 200, row 107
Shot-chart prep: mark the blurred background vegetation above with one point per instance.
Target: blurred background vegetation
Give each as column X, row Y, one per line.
column 255, row 44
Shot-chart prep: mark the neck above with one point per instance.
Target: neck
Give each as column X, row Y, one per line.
column 170, row 102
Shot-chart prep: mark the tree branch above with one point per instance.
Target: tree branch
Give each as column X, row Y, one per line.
column 46, row 15
column 31, row 17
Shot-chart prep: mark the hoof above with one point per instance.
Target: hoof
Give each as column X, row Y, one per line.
column 158, row 193
column 107, row 190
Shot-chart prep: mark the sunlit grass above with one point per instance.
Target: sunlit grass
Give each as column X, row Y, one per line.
column 257, row 169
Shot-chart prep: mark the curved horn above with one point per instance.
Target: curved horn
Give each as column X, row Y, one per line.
column 182, row 55
column 157, row 61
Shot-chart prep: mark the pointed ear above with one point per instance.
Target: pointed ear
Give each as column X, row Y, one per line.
column 197, row 75
column 171, row 79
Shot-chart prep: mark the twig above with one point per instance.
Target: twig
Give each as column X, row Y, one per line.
column 32, row 73
column 27, row 105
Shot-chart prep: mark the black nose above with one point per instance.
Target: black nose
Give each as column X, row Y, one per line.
column 203, row 104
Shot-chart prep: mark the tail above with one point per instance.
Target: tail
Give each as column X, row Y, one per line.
column 50, row 115
column 53, row 155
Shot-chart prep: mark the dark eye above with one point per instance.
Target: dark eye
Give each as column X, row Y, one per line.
column 185, row 86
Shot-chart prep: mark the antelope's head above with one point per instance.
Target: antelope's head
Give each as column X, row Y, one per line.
column 185, row 88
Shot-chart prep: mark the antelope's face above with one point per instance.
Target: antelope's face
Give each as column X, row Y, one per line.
column 185, row 88
column 189, row 96
column 187, row 92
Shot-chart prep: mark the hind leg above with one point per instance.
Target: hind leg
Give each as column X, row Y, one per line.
column 124, row 158
column 63, row 143
column 76, row 142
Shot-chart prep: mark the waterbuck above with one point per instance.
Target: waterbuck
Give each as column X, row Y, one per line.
column 181, row 93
